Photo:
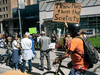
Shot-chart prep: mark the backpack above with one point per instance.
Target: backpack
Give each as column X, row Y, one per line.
column 90, row 54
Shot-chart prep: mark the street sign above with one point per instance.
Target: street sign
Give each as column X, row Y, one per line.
column 21, row 4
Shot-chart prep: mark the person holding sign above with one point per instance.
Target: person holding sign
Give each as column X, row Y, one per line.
column 76, row 46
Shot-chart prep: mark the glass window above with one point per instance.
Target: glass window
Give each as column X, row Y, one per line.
column 92, row 18
column 6, row 8
column 0, row 16
column 4, row 15
column 6, row 1
column 3, row 8
column 3, row 1
column 0, row 9
column 0, row 2
column 70, row 1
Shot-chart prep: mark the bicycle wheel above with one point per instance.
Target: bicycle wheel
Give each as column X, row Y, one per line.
column 50, row 73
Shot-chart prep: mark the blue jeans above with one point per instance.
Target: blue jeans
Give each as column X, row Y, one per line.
column 15, row 65
column 24, row 65
column 34, row 51
column 73, row 72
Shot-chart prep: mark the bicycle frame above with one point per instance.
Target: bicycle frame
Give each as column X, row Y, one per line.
column 59, row 70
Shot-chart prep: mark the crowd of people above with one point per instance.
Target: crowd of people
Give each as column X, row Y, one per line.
column 25, row 49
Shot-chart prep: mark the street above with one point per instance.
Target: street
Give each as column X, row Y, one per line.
column 36, row 64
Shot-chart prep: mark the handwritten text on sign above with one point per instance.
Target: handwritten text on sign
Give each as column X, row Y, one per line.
column 67, row 12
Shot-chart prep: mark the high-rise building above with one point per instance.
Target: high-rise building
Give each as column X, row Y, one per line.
column 6, row 7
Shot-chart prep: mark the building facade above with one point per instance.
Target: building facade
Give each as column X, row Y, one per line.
column 6, row 15
column 89, row 20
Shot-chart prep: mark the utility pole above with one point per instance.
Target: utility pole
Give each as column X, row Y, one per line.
column 21, row 5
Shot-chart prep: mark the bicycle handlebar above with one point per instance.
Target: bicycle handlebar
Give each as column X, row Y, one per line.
column 57, row 59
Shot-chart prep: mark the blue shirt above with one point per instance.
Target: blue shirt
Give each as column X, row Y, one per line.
column 32, row 44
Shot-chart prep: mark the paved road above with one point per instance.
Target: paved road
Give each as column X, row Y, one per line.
column 36, row 63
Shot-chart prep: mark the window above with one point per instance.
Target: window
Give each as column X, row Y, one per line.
column 0, row 16
column 0, row 2
column 70, row 1
column 6, row 15
column 5, row 8
column 0, row 9
column 5, row 1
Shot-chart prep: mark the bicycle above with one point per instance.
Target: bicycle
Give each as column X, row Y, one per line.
column 58, row 70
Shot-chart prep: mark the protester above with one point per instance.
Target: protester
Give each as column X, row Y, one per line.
column 0, row 40
column 59, row 33
column 76, row 46
column 9, row 45
column 27, row 53
column 36, row 43
column 34, row 38
column 33, row 45
column 67, row 41
column 53, row 40
column 38, row 38
column 15, row 52
column 54, row 33
column 44, row 45
column 6, row 40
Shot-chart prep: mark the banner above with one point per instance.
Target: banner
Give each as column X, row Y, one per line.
column 33, row 30
column 67, row 12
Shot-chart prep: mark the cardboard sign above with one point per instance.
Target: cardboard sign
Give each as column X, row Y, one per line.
column 67, row 12
column 32, row 30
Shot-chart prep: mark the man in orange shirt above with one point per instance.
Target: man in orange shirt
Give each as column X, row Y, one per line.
column 75, row 47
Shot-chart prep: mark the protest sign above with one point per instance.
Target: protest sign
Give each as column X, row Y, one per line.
column 52, row 45
column 33, row 30
column 67, row 12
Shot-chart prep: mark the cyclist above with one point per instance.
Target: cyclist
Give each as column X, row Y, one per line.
column 76, row 45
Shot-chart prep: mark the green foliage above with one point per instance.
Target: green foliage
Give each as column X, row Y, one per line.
column 95, row 41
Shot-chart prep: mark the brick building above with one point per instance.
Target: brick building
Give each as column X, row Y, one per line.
column 6, row 15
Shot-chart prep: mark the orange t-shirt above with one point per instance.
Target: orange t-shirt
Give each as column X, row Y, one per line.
column 77, row 45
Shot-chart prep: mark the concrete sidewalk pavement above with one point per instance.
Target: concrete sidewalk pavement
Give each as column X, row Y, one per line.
column 53, row 55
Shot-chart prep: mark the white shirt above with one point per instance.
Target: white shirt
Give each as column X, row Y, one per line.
column 38, row 38
column 27, row 53
column 26, row 43
column 59, row 31
column 14, row 43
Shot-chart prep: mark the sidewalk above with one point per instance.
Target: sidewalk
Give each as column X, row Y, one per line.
column 53, row 55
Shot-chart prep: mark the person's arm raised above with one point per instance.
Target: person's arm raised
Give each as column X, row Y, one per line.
column 66, row 25
column 66, row 54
